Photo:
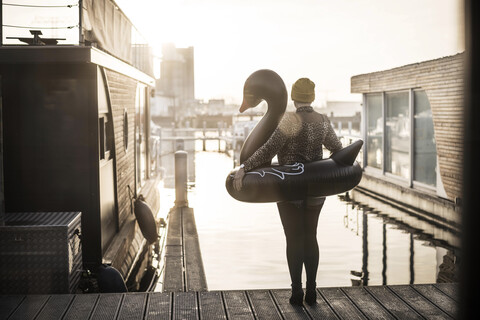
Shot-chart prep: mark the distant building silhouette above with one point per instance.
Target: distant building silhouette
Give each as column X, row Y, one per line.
column 341, row 108
column 175, row 90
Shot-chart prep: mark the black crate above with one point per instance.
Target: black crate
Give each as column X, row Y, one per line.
column 40, row 253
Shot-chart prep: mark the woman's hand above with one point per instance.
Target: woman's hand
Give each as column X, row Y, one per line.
column 237, row 180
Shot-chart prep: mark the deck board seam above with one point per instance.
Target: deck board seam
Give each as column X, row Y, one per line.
column 172, row 299
column 433, row 303
column 69, row 305
column 145, row 306
column 445, row 293
column 184, row 254
column 250, row 304
column 94, row 306
column 119, row 307
column 67, row 308
column 380, row 303
column 16, row 308
column 312, row 317
column 275, row 303
column 224, row 304
column 42, row 307
column 353, row 303
column 197, row 298
column 328, row 304
column 408, row 304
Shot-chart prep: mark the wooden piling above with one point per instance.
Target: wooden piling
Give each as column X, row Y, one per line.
column 181, row 176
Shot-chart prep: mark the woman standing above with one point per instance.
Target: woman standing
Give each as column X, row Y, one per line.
column 298, row 138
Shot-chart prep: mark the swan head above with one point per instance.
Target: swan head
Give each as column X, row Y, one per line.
column 264, row 85
column 249, row 101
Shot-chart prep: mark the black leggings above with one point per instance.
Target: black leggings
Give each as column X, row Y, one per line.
column 300, row 220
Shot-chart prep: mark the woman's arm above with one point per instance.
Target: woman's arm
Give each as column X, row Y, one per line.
column 331, row 141
column 264, row 154
column 267, row 151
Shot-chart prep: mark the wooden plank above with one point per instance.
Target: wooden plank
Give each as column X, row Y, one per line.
column 441, row 300
column 370, row 307
column 392, row 303
column 173, row 274
column 237, row 306
column 55, row 307
column 341, row 305
column 159, row 306
column 185, row 305
column 287, row 310
column 174, row 233
column 29, row 307
column 107, row 306
column 262, row 304
column 321, row 310
column 81, row 307
column 211, row 305
column 450, row 289
column 133, row 306
column 418, row 302
column 195, row 273
column 8, row 304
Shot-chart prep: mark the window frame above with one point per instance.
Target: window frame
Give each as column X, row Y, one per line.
column 381, row 173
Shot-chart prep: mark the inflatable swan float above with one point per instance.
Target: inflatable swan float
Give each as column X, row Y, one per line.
column 273, row 183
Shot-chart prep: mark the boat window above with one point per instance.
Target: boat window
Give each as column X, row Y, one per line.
column 105, row 135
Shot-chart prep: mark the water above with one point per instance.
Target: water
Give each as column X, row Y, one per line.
column 243, row 245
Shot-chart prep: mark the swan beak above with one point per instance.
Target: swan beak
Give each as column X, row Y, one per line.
column 244, row 106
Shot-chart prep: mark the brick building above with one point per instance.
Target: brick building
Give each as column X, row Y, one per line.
column 413, row 131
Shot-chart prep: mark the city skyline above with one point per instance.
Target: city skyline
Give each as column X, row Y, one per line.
column 337, row 40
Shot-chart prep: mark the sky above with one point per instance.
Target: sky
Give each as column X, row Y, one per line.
column 328, row 41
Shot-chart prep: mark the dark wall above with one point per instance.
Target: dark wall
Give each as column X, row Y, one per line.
column 122, row 90
column 50, row 143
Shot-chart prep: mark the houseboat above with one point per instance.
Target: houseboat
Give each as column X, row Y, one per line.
column 412, row 125
column 76, row 138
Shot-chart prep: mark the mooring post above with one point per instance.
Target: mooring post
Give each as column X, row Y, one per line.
column 219, row 125
column 204, row 135
column 181, row 199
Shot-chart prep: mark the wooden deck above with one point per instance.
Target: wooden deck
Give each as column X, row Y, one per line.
column 183, row 259
column 431, row 301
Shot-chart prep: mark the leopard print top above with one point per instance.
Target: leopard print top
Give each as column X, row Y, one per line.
column 298, row 138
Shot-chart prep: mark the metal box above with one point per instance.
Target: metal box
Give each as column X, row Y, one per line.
column 40, row 253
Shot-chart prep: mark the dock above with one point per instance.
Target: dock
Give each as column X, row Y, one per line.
column 185, row 294
column 430, row 301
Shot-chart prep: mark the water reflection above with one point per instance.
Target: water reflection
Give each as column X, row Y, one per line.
column 362, row 240
column 404, row 237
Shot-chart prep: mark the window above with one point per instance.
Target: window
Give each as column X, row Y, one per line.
column 397, row 134
column 374, row 130
column 392, row 145
column 425, row 150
